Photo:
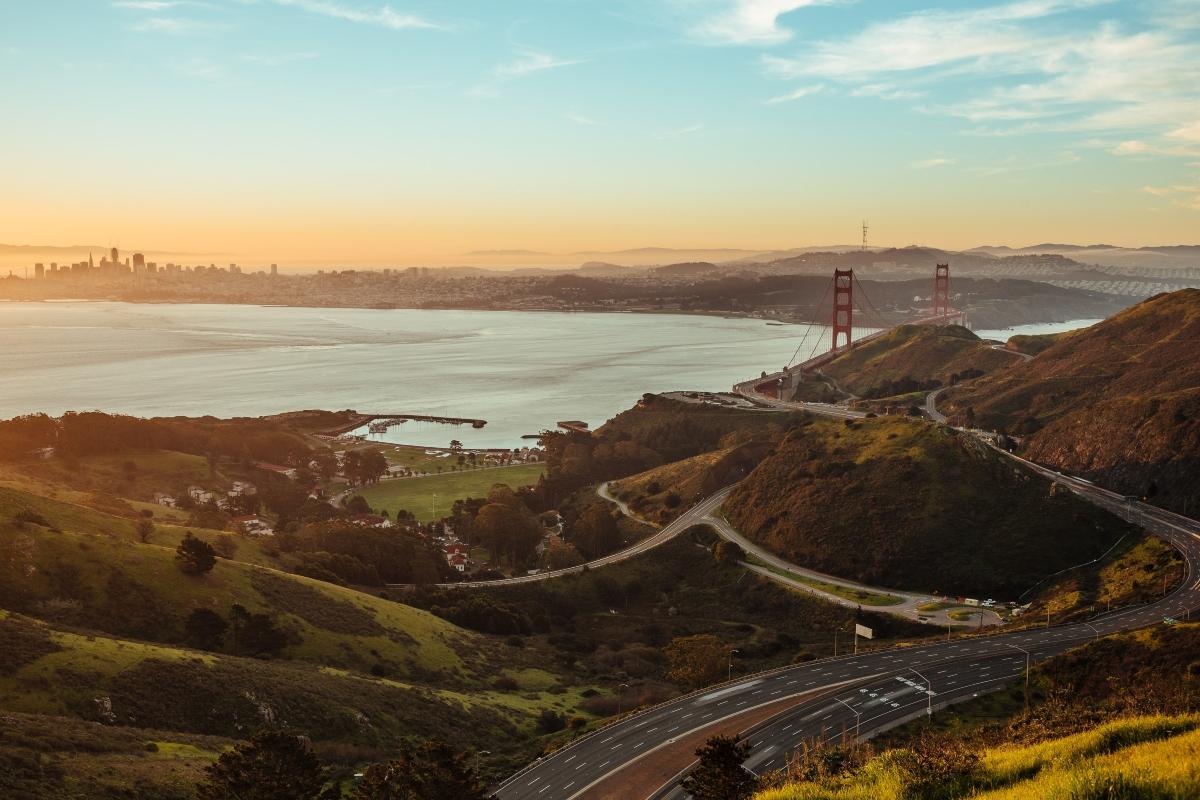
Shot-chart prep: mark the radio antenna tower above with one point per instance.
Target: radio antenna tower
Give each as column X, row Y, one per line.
column 865, row 229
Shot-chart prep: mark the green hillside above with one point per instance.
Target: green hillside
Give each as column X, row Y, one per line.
column 1147, row 757
column 896, row 502
column 914, row 357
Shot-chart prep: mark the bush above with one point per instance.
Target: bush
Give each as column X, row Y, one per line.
column 550, row 721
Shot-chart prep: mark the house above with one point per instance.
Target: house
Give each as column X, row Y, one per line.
column 459, row 562
column 370, row 521
column 253, row 525
column 165, row 500
column 242, row 489
column 455, row 548
column 200, row 495
column 287, row 472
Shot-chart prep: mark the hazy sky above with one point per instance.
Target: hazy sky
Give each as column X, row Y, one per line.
column 304, row 131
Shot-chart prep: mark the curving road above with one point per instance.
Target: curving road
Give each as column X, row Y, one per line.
column 869, row 692
column 644, row 755
column 692, row 516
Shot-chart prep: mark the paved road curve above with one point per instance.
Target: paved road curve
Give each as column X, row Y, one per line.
column 868, row 692
column 849, row 695
column 692, row 516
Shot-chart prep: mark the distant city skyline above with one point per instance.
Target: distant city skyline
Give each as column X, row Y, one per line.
column 353, row 132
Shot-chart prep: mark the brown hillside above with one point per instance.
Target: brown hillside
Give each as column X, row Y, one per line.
column 906, row 504
column 1118, row 402
column 915, row 357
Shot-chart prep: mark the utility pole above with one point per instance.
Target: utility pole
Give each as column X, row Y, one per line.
column 729, row 675
column 621, row 694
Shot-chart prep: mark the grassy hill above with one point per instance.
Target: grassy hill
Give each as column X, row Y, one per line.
column 1115, row 718
column 921, row 354
column 1147, row 757
column 1118, row 402
column 897, row 502
column 663, row 493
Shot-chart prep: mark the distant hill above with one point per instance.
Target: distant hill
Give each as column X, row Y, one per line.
column 901, row 503
column 920, row 354
column 1118, row 402
column 688, row 269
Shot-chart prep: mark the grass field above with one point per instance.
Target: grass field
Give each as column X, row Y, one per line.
column 417, row 495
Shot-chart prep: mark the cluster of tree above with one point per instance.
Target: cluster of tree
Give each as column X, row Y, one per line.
column 503, row 522
column 905, row 385
column 364, row 466
column 280, row 766
column 242, row 633
column 657, row 431
column 95, row 433
column 341, row 552
column 697, row 661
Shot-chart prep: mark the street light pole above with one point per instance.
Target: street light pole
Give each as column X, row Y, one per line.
column 729, row 675
column 621, row 694
column 857, row 717
column 1027, row 657
column 928, row 693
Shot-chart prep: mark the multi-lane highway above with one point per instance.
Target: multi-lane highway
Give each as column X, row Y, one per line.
column 644, row 755
column 842, row 696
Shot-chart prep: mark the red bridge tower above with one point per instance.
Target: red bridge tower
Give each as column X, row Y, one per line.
column 941, row 291
column 843, row 306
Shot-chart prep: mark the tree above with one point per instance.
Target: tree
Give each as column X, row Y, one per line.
column 595, row 533
column 726, row 552
column 432, row 771
column 205, row 629
column 719, row 775
column 358, row 505
column 195, row 556
column 697, row 660
column 271, row 766
column 456, row 445
column 145, row 529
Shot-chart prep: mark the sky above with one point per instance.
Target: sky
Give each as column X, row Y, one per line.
column 310, row 132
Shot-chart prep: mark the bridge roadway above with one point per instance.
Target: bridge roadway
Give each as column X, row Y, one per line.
column 840, row 697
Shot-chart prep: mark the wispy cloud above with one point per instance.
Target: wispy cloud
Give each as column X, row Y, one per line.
column 751, row 21
column 174, row 25
column 1023, row 66
column 929, row 163
column 679, row 132
column 796, row 94
column 148, row 5
column 382, row 16
column 278, row 60
column 1182, row 195
column 580, row 119
column 530, row 62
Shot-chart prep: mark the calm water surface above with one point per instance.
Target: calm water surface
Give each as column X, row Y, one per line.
column 521, row 371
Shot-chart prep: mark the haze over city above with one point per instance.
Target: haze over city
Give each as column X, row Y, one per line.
column 350, row 132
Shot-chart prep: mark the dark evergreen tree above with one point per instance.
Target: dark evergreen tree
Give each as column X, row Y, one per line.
column 271, row 766
column 195, row 556
column 720, row 774
column 205, row 628
column 432, row 771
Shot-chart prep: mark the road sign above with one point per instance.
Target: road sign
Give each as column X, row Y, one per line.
column 864, row 631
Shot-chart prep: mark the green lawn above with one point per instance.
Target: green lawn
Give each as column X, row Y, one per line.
column 416, row 495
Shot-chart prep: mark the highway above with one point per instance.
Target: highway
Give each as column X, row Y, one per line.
column 841, row 697
column 867, row 693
